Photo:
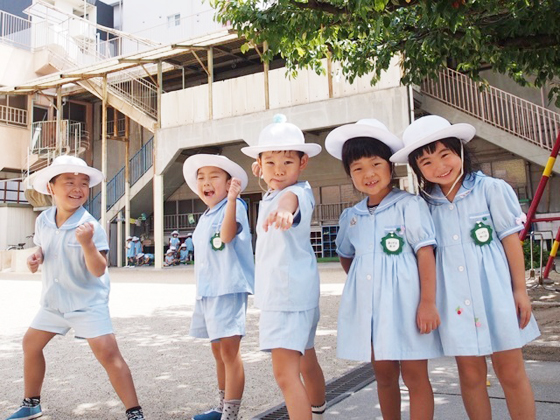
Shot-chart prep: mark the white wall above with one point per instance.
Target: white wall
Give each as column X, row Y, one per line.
column 16, row 65
column 16, row 222
column 13, row 144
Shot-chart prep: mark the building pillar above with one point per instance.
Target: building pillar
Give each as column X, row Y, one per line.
column 119, row 240
column 127, row 180
column 103, row 219
column 158, row 181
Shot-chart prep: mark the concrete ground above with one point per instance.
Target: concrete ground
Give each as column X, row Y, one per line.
column 174, row 373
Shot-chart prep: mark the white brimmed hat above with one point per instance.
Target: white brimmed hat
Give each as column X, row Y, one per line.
column 367, row 127
column 279, row 136
column 62, row 165
column 129, row 238
column 183, row 245
column 135, row 238
column 174, row 233
column 428, row 129
column 195, row 162
column 170, row 251
column 140, row 254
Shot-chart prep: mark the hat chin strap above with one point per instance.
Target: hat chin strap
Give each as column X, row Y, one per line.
column 459, row 177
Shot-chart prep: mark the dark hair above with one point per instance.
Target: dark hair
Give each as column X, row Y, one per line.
column 360, row 147
column 297, row 152
column 453, row 144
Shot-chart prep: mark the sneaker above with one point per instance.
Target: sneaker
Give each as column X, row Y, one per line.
column 213, row 414
column 26, row 413
column 135, row 414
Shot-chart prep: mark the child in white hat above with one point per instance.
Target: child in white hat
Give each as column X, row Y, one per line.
column 224, row 272
column 174, row 239
column 170, row 258
column 286, row 275
column 130, row 252
column 73, row 250
column 386, row 244
column 183, row 254
column 482, row 298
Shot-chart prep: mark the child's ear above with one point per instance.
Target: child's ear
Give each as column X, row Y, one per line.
column 228, row 184
column 303, row 162
column 49, row 189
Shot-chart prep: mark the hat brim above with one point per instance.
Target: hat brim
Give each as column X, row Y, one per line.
column 335, row 139
column 310, row 149
column 43, row 176
column 464, row 132
column 195, row 162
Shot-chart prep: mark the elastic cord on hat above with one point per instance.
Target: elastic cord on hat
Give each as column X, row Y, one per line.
column 454, row 183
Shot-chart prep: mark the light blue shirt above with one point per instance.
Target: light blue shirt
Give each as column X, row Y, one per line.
column 137, row 247
column 174, row 242
column 67, row 283
column 226, row 271
column 130, row 249
column 474, row 290
column 183, row 254
column 189, row 243
column 382, row 292
column 286, row 272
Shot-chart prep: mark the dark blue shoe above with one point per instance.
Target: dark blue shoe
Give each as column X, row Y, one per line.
column 213, row 414
column 26, row 413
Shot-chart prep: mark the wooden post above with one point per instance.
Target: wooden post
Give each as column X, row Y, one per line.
column 104, row 155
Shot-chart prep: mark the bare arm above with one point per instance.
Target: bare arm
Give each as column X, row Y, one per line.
column 229, row 224
column 516, row 262
column 427, row 317
column 346, row 263
column 283, row 216
column 96, row 261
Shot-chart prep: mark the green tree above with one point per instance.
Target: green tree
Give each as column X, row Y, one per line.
column 520, row 38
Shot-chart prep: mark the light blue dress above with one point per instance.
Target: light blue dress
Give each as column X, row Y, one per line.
column 286, row 272
column 174, row 242
column 130, row 250
column 67, row 284
column 474, row 289
column 382, row 292
column 230, row 270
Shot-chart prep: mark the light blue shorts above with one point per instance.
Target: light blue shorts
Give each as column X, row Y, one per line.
column 288, row 330
column 90, row 322
column 220, row 316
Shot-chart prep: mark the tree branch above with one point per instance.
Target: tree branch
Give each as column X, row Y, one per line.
column 320, row 6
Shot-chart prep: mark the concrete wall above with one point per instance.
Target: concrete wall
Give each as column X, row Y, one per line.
column 16, row 222
column 16, row 65
column 13, row 144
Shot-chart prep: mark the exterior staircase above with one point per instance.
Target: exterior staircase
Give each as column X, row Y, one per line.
column 515, row 124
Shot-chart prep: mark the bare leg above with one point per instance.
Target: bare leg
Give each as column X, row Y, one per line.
column 416, row 379
column 472, row 376
column 286, row 367
column 34, row 365
column 220, row 368
column 107, row 351
column 313, row 377
column 510, row 369
column 387, row 377
column 234, row 372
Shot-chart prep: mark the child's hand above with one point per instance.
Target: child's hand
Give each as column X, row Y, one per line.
column 234, row 189
column 427, row 317
column 523, row 305
column 84, row 233
column 256, row 169
column 279, row 219
column 34, row 260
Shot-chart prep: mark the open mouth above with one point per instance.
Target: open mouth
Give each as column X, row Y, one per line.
column 371, row 183
column 445, row 174
column 208, row 193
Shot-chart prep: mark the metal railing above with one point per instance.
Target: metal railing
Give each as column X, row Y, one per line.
column 11, row 115
column 15, row 30
column 501, row 109
column 329, row 212
column 74, row 137
column 121, row 126
column 180, row 221
column 138, row 166
column 12, row 191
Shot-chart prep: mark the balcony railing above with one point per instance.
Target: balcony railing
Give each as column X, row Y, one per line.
column 11, row 115
column 180, row 221
column 15, row 30
column 74, row 137
column 329, row 213
column 501, row 109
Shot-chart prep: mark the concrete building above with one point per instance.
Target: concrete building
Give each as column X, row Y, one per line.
column 170, row 82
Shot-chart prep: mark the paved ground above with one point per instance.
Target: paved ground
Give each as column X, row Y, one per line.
column 174, row 374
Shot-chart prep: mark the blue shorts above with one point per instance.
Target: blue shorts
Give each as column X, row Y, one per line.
column 220, row 316
column 288, row 330
column 90, row 322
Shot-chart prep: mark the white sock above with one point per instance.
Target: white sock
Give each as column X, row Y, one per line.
column 221, row 395
column 318, row 410
column 231, row 409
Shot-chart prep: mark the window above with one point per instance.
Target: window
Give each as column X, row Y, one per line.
column 173, row 20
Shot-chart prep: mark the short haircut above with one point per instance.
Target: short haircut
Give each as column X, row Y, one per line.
column 360, row 147
column 297, row 152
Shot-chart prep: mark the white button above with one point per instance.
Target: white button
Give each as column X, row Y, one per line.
column 461, row 268
column 57, row 232
column 56, row 280
column 451, row 207
column 467, row 302
column 455, row 237
column 368, row 277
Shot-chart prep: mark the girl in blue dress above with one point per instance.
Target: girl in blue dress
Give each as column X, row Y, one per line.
column 482, row 299
column 387, row 310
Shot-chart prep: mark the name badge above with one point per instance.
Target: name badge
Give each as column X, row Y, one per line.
column 392, row 244
column 216, row 242
column 481, row 233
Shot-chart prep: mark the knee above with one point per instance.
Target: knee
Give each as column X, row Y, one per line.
column 472, row 378
column 510, row 375
column 29, row 345
column 109, row 357
column 386, row 375
column 413, row 378
column 230, row 354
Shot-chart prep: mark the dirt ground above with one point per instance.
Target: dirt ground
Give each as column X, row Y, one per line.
column 546, row 308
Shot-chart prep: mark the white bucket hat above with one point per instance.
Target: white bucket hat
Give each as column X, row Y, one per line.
column 428, row 129
column 368, row 127
column 62, row 165
column 140, row 254
column 279, row 136
column 183, row 245
column 175, row 232
column 195, row 162
column 170, row 251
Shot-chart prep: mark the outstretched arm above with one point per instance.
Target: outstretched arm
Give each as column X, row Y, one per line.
column 516, row 262
column 229, row 224
column 96, row 261
column 283, row 216
column 427, row 317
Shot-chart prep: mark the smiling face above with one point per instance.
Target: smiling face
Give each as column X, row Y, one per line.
column 442, row 166
column 212, row 185
column 70, row 191
column 372, row 176
column 281, row 169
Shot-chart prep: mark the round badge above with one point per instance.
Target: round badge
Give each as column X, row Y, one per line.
column 392, row 244
column 481, row 233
